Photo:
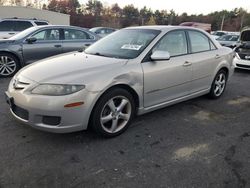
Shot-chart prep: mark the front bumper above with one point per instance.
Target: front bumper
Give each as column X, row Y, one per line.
column 241, row 63
column 48, row 113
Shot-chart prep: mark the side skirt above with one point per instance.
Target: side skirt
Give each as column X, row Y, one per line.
column 174, row 101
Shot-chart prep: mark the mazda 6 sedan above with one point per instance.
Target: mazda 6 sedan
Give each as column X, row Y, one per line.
column 130, row 72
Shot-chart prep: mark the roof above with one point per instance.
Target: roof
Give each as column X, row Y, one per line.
column 63, row 26
column 24, row 19
column 164, row 27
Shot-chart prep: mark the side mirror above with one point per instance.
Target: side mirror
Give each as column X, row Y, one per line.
column 160, row 55
column 31, row 40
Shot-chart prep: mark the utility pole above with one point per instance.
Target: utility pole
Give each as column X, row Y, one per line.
column 242, row 21
column 222, row 23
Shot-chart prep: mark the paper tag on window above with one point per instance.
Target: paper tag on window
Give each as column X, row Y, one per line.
column 131, row 46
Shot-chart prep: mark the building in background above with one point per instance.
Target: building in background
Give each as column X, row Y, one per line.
column 31, row 13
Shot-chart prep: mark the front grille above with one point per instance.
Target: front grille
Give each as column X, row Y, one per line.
column 243, row 66
column 20, row 112
column 18, row 85
column 243, row 56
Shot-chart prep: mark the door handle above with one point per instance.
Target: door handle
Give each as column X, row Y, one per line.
column 11, row 33
column 58, row 46
column 187, row 63
column 87, row 45
column 217, row 56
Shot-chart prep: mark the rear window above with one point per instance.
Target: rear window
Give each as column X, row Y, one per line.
column 245, row 35
column 41, row 23
column 9, row 25
column 22, row 25
column 199, row 42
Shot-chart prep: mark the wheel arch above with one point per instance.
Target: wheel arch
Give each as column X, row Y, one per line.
column 15, row 55
column 123, row 86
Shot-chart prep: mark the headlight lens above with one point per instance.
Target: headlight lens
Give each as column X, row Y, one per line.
column 237, row 55
column 56, row 89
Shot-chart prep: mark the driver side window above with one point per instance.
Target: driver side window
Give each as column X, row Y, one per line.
column 174, row 42
column 48, row 34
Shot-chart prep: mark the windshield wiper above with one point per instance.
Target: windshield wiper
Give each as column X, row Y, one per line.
column 99, row 54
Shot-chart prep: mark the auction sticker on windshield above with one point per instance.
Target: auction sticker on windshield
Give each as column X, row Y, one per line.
column 131, row 47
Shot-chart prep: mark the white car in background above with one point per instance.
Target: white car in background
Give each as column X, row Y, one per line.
column 230, row 41
column 217, row 34
column 11, row 26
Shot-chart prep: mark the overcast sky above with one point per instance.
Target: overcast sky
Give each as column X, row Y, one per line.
column 180, row 6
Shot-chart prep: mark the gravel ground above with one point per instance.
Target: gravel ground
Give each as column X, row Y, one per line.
column 198, row 143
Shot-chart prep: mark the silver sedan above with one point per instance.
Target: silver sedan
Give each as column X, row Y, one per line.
column 130, row 72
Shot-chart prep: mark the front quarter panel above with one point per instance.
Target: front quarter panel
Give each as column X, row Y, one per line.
column 130, row 74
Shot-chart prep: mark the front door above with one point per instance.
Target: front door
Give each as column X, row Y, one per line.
column 166, row 80
column 47, row 44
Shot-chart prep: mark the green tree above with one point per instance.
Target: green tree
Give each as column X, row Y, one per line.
column 130, row 16
column 145, row 15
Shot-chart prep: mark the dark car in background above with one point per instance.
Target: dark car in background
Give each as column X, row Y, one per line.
column 41, row 42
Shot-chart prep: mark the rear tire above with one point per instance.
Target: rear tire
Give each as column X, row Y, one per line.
column 219, row 85
column 9, row 65
column 113, row 113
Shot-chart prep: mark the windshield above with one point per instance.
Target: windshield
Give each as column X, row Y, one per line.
column 228, row 38
column 218, row 33
column 124, row 44
column 94, row 29
column 23, row 34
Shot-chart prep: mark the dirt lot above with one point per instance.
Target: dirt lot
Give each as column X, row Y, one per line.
column 198, row 143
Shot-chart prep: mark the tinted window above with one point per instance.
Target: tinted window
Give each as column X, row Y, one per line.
column 41, row 23
column 7, row 26
column 48, row 34
column 228, row 38
column 199, row 42
column 72, row 34
column 22, row 25
column 101, row 31
column 174, row 42
column 110, row 30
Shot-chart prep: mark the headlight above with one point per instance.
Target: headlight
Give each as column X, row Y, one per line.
column 56, row 89
column 237, row 56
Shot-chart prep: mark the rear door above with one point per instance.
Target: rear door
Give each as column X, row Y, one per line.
column 48, row 44
column 205, row 57
column 76, row 39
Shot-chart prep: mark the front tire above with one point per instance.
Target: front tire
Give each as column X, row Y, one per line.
column 9, row 65
column 219, row 85
column 113, row 113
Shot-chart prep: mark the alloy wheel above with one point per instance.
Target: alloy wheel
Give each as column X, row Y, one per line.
column 220, row 83
column 115, row 114
column 7, row 65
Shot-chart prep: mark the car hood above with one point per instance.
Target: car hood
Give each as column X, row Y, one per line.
column 6, row 41
column 71, row 68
